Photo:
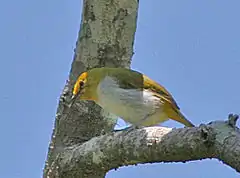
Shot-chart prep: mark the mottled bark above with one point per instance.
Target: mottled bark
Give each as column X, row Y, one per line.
column 219, row 139
column 105, row 38
column 82, row 143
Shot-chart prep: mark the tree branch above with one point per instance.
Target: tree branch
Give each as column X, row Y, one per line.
column 219, row 140
column 105, row 39
column 77, row 148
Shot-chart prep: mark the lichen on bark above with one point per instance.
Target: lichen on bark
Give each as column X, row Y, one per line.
column 105, row 39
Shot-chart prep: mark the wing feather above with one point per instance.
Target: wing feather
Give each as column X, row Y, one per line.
column 159, row 91
column 130, row 79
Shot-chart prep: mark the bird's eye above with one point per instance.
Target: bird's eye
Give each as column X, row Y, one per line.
column 81, row 83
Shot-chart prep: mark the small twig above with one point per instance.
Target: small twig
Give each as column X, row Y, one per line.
column 232, row 119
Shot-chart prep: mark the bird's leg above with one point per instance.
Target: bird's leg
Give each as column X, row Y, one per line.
column 136, row 125
column 129, row 128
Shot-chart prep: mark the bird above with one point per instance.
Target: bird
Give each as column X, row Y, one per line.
column 128, row 94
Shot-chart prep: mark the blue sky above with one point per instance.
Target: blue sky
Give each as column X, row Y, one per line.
column 191, row 47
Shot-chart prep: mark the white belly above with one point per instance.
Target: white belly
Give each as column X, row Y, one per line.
column 134, row 106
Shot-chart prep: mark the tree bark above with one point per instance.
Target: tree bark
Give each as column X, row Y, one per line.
column 105, row 39
column 83, row 144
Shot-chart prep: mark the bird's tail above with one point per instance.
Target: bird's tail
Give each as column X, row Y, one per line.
column 186, row 122
column 176, row 115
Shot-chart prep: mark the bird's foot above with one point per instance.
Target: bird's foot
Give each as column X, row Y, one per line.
column 128, row 129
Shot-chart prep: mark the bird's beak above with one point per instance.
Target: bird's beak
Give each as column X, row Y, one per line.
column 73, row 99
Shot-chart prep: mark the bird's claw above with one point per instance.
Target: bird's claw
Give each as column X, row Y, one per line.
column 128, row 129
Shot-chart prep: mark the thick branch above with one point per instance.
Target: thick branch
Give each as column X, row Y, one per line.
column 154, row 144
column 105, row 39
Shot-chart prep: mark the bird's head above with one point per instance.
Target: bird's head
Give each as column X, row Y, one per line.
column 80, row 84
column 85, row 88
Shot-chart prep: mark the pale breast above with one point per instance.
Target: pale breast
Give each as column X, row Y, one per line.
column 130, row 104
